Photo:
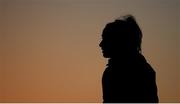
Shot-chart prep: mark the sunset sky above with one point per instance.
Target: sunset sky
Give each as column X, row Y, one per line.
column 49, row 48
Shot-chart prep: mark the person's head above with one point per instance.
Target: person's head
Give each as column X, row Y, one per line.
column 123, row 36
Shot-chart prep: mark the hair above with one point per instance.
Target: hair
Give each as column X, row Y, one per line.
column 133, row 26
column 127, row 26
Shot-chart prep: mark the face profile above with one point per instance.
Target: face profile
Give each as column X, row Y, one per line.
column 106, row 48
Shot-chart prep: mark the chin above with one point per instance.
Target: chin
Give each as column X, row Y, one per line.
column 106, row 55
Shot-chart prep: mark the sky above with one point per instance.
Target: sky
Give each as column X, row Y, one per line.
column 50, row 53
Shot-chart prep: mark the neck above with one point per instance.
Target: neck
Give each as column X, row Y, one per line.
column 126, row 55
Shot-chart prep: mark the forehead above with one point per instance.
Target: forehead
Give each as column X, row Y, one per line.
column 114, row 29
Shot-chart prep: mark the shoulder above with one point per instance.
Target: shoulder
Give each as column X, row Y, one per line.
column 146, row 65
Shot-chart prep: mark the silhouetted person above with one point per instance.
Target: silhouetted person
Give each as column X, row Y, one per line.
column 128, row 77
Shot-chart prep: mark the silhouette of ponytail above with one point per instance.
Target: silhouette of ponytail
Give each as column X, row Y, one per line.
column 135, row 29
column 132, row 27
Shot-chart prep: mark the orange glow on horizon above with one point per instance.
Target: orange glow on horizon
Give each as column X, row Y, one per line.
column 50, row 53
